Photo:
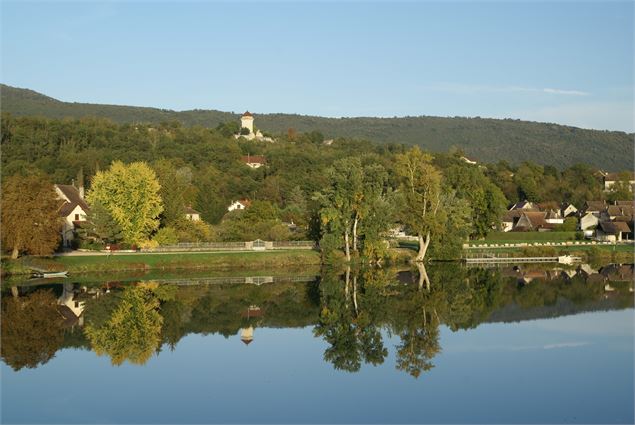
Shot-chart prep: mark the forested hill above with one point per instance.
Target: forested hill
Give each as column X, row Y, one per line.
column 486, row 140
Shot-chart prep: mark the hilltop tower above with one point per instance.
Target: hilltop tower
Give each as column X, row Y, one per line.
column 247, row 121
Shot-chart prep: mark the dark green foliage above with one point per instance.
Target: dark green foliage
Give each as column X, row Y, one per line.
column 483, row 139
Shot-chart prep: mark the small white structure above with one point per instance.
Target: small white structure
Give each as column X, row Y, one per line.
column 523, row 205
column 611, row 178
column 73, row 210
column 568, row 210
column 588, row 221
column 554, row 217
column 255, row 161
column 468, row 160
column 191, row 214
column 247, row 335
column 241, row 204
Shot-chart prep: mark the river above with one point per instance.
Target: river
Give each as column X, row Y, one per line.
column 527, row 344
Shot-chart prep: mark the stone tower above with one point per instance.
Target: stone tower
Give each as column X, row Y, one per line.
column 247, row 121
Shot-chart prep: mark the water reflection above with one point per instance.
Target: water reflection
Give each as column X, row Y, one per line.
column 348, row 309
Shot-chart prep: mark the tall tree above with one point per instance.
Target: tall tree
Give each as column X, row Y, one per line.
column 340, row 200
column 30, row 219
column 420, row 188
column 130, row 193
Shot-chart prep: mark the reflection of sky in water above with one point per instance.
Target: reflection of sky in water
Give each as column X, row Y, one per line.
column 570, row 369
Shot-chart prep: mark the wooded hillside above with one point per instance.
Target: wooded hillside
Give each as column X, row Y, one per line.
column 482, row 139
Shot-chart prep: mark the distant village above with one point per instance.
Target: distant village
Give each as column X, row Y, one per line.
column 600, row 220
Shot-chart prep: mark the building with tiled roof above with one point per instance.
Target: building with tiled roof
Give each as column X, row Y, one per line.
column 73, row 210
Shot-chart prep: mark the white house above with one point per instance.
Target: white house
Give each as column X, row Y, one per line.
column 241, row 204
column 568, row 210
column 191, row 214
column 73, row 210
column 554, row 217
column 588, row 222
column 611, row 178
column 523, row 205
column 254, row 161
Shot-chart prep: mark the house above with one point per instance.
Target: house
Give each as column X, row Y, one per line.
column 254, row 161
column 588, row 222
column 532, row 221
column 241, row 204
column 523, row 205
column 510, row 219
column 554, row 217
column 73, row 210
column 613, row 231
column 593, row 207
column 611, row 178
column 468, row 161
column 191, row 214
column 568, row 210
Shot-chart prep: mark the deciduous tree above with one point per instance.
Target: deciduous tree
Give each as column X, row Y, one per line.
column 30, row 219
column 130, row 193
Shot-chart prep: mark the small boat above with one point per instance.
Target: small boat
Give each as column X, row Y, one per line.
column 48, row 275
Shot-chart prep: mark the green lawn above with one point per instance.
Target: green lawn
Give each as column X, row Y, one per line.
column 525, row 237
column 174, row 261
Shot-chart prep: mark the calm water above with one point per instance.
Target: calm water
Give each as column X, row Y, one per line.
column 472, row 346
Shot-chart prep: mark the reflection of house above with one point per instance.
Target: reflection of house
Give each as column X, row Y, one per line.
column 72, row 303
column 241, row 204
column 247, row 335
column 191, row 214
column 73, row 210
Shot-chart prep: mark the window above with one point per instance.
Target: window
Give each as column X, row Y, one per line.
column 76, row 217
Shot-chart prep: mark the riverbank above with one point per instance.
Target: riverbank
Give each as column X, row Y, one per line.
column 164, row 261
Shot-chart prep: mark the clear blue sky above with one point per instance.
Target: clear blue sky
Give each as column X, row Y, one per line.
column 565, row 62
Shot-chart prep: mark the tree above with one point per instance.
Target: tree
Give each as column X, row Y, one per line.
column 30, row 219
column 130, row 193
column 486, row 200
column 31, row 329
column 420, row 188
column 340, row 201
column 102, row 224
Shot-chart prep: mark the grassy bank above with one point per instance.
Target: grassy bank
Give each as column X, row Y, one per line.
column 172, row 261
column 525, row 237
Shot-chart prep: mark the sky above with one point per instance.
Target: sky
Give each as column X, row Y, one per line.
column 565, row 62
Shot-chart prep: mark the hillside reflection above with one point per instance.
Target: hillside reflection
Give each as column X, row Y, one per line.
column 351, row 310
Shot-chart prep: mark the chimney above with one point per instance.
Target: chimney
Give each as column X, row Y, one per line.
column 81, row 192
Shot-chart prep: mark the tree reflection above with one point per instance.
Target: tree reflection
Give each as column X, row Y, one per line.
column 347, row 323
column 32, row 329
column 133, row 330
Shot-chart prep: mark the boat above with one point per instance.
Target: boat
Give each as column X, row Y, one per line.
column 48, row 275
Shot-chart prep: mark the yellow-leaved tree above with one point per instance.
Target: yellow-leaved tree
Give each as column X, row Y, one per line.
column 130, row 193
